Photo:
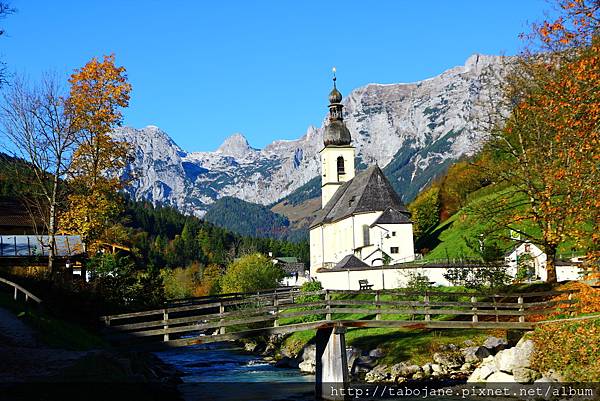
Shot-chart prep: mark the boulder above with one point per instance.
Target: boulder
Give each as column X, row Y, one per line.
column 481, row 373
column 404, row 370
column 309, row 363
column 307, row 367
column 495, row 344
column 419, row 376
column 309, row 353
column 365, row 362
column 500, row 377
column 475, row 354
column 352, row 355
column 380, row 373
column 427, row 369
column 376, row 353
column 525, row 375
column 450, row 359
column 466, row 367
column 438, row 370
column 517, row 357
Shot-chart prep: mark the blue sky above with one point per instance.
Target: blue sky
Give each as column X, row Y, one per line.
column 203, row 70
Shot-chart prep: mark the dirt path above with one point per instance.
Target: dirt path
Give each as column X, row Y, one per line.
column 23, row 357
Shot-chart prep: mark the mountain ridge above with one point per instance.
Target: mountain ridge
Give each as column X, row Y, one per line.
column 412, row 130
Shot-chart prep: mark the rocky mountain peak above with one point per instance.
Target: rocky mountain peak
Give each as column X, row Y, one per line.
column 412, row 130
column 235, row 145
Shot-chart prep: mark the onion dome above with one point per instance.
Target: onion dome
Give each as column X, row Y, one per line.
column 336, row 133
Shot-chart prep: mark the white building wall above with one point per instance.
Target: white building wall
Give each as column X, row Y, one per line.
column 382, row 278
column 403, row 240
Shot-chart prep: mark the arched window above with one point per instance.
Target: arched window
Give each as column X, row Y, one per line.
column 340, row 165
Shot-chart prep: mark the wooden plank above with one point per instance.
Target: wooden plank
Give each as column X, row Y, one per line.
column 423, row 311
column 194, row 327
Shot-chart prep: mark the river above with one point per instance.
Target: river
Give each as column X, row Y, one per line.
column 223, row 372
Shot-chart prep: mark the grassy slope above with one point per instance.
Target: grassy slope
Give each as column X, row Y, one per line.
column 447, row 240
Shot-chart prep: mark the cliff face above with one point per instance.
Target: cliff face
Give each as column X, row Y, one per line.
column 414, row 130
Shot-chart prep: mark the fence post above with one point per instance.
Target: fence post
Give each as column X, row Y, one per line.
column 276, row 306
column 570, row 297
column 496, row 309
column 15, row 293
column 521, row 309
column 221, row 311
column 426, row 302
column 166, row 326
column 474, row 309
column 378, row 305
column 327, row 305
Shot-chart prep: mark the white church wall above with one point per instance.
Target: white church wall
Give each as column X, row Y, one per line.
column 316, row 249
column 400, row 237
column 383, row 278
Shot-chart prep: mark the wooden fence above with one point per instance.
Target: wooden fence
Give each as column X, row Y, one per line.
column 225, row 319
column 18, row 288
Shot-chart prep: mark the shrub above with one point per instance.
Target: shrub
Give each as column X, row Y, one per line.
column 251, row 273
column 310, row 286
column 180, row 282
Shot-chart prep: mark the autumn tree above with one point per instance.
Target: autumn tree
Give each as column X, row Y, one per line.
column 40, row 131
column 98, row 92
column 425, row 210
column 548, row 151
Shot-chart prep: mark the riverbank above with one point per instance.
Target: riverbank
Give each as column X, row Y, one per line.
column 44, row 355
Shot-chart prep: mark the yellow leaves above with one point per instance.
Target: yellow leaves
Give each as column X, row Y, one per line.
column 98, row 92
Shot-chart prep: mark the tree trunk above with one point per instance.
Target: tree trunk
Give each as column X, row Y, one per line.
column 52, row 226
column 551, row 264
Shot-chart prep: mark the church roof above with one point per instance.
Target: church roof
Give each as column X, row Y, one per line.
column 350, row 261
column 392, row 216
column 368, row 191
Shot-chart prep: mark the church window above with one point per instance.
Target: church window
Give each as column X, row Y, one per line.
column 394, row 249
column 340, row 165
column 366, row 239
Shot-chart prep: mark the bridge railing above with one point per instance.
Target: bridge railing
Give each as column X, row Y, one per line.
column 17, row 288
column 226, row 319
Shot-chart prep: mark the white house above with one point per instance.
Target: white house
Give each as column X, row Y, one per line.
column 534, row 259
column 362, row 225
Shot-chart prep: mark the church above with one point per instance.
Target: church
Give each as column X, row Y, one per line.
column 362, row 228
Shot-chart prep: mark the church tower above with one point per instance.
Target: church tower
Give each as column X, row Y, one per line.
column 337, row 157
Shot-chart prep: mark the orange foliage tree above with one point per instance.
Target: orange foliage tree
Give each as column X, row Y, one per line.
column 98, row 92
column 548, row 151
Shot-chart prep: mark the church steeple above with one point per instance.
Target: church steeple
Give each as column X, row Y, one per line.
column 336, row 132
column 337, row 157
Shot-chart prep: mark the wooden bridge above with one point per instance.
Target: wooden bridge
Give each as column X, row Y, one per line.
column 330, row 313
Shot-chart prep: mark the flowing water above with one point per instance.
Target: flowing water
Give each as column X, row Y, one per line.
column 222, row 372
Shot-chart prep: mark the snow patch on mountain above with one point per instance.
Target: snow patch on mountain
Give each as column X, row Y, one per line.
column 416, row 125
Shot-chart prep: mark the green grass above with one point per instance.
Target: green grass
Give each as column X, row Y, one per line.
column 416, row 346
column 399, row 344
column 51, row 331
column 447, row 240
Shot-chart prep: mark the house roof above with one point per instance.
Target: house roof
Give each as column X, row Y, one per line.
column 349, row 262
column 287, row 259
column 368, row 191
column 32, row 245
column 392, row 216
